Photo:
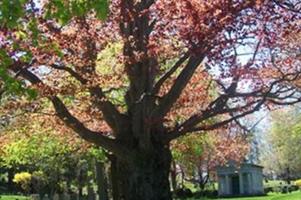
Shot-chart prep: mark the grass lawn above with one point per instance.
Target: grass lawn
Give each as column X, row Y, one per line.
column 271, row 196
column 292, row 196
column 14, row 197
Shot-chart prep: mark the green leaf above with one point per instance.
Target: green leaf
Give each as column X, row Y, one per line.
column 33, row 28
column 63, row 10
column 11, row 11
column 101, row 7
column 32, row 94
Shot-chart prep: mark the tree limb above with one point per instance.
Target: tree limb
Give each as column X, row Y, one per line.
column 222, row 123
column 113, row 117
column 72, row 122
column 181, row 82
column 167, row 75
column 71, row 72
column 219, row 105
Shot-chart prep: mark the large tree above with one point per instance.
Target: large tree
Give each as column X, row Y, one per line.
column 150, row 91
column 282, row 154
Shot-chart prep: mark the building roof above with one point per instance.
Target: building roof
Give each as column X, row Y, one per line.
column 234, row 168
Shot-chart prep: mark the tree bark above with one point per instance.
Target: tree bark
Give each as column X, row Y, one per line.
column 145, row 176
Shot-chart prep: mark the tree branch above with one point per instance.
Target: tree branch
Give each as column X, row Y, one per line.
column 91, row 136
column 194, row 120
column 63, row 113
column 225, row 122
column 71, row 72
column 219, row 105
column 117, row 121
column 167, row 75
column 174, row 93
column 288, row 6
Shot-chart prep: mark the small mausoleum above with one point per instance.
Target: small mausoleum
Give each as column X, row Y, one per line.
column 246, row 179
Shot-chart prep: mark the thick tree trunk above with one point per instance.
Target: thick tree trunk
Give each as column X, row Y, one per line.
column 145, row 176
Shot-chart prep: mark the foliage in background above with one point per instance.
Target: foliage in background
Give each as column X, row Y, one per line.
column 53, row 158
column 298, row 183
column 283, row 152
column 24, row 180
column 210, row 150
column 198, row 155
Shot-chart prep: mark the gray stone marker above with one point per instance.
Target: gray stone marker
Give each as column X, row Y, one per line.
column 35, row 197
column 46, row 197
column 74, row 196
column 55, row 197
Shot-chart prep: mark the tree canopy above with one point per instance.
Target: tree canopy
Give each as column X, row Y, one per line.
column 282, row 155
column 158, row 85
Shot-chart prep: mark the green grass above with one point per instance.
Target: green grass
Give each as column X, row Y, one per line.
column 14, row 197
column 272, row 196
column 292, row 196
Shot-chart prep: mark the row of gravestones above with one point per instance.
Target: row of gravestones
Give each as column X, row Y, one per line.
column 92, row 196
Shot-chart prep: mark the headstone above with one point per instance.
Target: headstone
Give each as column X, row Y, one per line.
column 35, row 197
column 102, row 182
column 84, row 197
column 46, row 197
column 91, row 194
column 67, row 196
column 63, row 196
column 55, row 197
column 74, row 196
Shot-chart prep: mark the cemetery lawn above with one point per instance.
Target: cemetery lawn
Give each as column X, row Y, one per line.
column 273, row 196
column 13, row 197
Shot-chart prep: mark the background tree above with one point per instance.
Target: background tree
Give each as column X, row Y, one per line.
column 199, row 154
column 282, row 157
column 55, row 158
column 133, row 110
